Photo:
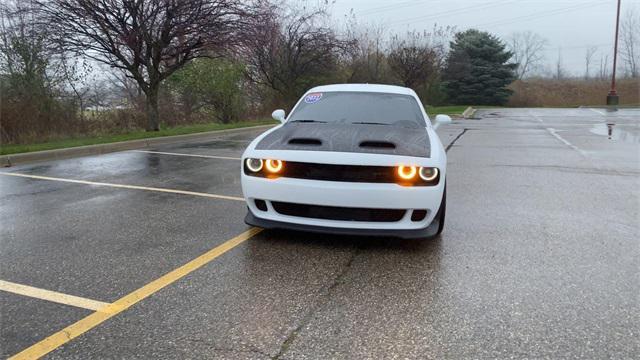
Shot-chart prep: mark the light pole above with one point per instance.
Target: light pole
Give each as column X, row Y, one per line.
column 612, row 97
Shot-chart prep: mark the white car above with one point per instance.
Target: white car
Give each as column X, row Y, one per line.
column 353, row 159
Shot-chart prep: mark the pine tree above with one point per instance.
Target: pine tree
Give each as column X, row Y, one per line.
column 477, row 69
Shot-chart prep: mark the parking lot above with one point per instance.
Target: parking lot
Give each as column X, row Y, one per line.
column 149, row 257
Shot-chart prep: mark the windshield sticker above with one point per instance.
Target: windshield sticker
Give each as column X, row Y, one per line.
column 313, row 98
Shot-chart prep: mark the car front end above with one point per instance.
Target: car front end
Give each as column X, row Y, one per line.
column 345, row 179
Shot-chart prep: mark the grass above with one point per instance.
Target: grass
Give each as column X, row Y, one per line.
column 135, row 135
column 446, row 110
column 453, row 110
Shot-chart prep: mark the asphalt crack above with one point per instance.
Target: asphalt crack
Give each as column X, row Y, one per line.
column 455, row 139
column 324, row 300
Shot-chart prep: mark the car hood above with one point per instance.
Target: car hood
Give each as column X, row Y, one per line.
column 360, row 138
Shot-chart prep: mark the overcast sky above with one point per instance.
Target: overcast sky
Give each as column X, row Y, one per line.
column 569, row 25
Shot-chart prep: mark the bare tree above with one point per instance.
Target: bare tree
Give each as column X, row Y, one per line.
column 292, row 49
column 630, row 39
column 77, row 72
column 528, row 51
column 129, row 90
column 560, row 73
column 588, row 57
column 367, row 63
column 28, row 80
column 25, row 50
column 417, row 57
column 148, row 39
column 603, row 74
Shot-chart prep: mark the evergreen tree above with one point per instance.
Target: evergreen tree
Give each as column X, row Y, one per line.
column 477, row 69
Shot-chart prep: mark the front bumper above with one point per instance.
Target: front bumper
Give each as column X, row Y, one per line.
column 342, row 194
column 427, row 232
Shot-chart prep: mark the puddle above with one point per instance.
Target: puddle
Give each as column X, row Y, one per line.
column 613, row 132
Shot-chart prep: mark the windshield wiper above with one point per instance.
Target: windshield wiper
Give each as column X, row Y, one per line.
column 308, row 121
column 368, row 123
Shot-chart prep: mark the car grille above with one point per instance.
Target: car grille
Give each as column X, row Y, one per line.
column 342, row 173
column 346, row 173
column 338, row 213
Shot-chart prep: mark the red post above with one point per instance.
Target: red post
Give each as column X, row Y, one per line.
column 612, row 97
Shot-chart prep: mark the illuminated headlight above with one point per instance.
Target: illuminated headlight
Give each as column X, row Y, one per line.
column 428, row 173
column 268, row 168
column 408, row 175
column 274, row 166
column 406, row 172
column 254, row 165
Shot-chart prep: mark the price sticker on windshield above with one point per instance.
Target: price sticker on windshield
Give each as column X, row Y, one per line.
column 312, row 98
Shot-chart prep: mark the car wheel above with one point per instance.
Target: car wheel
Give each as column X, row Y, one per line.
column 442, row 211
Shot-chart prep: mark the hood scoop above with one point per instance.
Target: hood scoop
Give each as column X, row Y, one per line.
column 355, row 138
column 378, row 145
column 305, row 141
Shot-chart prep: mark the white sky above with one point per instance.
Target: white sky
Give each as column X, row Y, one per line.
column 571, row 25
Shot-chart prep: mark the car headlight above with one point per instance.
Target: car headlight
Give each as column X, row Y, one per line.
column 428, row 173
column 406, row 172
column 415, row 175
column 274, row 166
column 254, row 165
column 269, row 168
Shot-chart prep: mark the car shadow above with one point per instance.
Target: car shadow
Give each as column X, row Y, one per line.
column 342, row 242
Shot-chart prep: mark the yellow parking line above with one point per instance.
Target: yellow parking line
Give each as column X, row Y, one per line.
column 134, row 187
column 74, row 330
column 52, row 296
column 191, row 155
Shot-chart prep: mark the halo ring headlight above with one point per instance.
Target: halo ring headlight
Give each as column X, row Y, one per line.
column 407, row 172
column 274, row 166
column 428, row 173
column 254, row 165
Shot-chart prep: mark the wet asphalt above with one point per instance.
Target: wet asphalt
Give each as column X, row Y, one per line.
column 539, row 257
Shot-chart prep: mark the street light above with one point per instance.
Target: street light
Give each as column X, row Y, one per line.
column 612, row 97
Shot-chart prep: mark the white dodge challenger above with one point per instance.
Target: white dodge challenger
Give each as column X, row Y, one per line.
column 354, row 159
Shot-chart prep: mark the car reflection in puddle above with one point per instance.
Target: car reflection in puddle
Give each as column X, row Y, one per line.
column 617, row 133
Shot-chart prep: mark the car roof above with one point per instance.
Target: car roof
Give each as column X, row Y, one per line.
column 376, row 88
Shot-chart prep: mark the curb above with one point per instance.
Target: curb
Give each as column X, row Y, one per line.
column 98, row 149
column 469, row 113
column 609, row 107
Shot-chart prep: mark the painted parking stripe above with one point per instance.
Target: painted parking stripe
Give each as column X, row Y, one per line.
column 190, row 155
column 555, row 134
column 597, row 112
column 52, row 296
column 74, row 330
column 121, row 186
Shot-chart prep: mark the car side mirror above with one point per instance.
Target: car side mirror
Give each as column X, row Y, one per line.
column 279, row 115
column 442, row 119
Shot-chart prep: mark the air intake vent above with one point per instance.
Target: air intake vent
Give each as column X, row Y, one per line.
column 305, row 141
column 338, row 213
column 377, row 145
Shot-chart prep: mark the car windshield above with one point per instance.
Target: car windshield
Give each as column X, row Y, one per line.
column 364, row 108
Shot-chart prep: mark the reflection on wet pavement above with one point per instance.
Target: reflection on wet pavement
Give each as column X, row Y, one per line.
column 613, row 132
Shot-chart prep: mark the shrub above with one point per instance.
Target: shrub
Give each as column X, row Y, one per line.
column 550, row 92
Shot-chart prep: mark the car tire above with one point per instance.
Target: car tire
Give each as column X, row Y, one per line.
column 442, row 211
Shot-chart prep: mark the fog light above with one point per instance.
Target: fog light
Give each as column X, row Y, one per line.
column 418, row 215
column 406, row 172
column 254, row 165
column 261, row 204
column 274, row 166
column 428, row 174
